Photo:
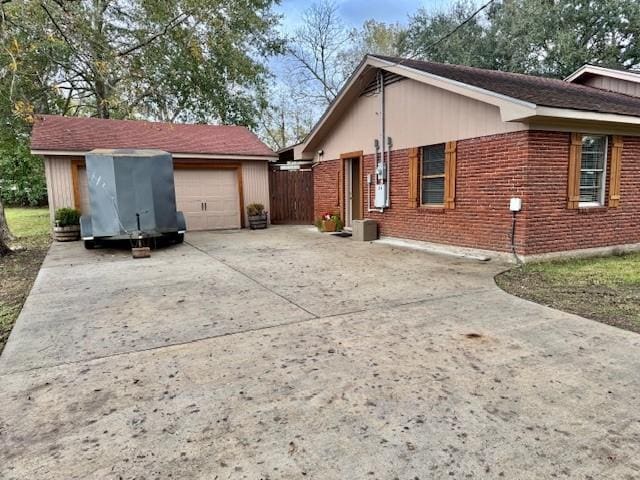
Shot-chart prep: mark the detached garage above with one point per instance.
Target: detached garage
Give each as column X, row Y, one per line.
column 218, row 168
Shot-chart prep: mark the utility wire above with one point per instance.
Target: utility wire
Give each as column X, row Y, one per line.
column 449, row 34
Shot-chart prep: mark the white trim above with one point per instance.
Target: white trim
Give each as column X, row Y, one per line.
column 552, row 112
column 454, row 85
column 629, row 76
column 207, row 156
column 603, row 187
column 511, row 109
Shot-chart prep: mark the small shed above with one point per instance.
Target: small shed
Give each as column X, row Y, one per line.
column 218, row 169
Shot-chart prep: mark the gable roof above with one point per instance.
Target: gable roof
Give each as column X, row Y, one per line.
column 53, row 133
column 520, row 98
column 589, row 70
column 548, row 92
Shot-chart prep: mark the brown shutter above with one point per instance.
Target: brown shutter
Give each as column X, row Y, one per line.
column 450, row 175
column 414, row 172
column 616, row 165
column 575, row 164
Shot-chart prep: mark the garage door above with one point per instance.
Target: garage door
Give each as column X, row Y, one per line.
column 209, row 199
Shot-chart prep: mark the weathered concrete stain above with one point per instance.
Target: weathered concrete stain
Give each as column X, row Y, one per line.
column 288, row 354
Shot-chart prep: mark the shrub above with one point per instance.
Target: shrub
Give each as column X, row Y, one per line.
column 66, row 217
column 255, row 209
column 22, row 179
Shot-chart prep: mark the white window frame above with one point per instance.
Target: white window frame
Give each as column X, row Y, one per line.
column 603, row 188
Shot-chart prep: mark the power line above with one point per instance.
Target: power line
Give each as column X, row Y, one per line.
column 449, row 34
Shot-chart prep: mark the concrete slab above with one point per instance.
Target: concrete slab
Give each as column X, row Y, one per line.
column 299, row 355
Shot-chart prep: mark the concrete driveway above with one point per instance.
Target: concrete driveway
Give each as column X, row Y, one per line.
column 286, row 353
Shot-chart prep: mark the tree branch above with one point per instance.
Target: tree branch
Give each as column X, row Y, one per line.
column 175, row 21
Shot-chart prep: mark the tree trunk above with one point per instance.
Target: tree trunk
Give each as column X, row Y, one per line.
column 5, row 233
column 4, row 249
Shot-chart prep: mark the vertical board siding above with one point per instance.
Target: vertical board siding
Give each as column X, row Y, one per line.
column 59, row 183
column 416, row 114
column 614, row 85
column 291, row 196
column 255, row 181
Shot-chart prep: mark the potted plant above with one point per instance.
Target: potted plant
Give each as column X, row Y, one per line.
column 329, row 222
column 67, row 225
column 257, row 216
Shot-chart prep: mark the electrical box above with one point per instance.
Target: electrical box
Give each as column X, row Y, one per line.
column 381, row 170
column 515, row 205
column 380, row 200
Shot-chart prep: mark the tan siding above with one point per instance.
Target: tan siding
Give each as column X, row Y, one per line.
column 416, row 114
column 59, row 183
column 255, row 183
column 614, row 85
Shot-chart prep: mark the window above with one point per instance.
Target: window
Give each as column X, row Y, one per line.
column 432, row 174
column 593, row 167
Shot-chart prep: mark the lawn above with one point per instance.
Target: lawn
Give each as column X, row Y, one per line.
column 606, row 289
column 19, row 270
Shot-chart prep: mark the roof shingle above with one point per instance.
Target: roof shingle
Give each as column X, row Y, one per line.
column 81, row 134
column 542, row 91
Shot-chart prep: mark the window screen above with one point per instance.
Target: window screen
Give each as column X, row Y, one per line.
column 433, row 175
column 592, row 170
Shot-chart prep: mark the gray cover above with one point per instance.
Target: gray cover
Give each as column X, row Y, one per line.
column 125, row 182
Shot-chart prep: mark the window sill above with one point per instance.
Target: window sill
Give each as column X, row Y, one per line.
column 591, row 208
column 432, row 208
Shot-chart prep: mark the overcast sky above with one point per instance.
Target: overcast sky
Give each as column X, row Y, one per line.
column 354, row 12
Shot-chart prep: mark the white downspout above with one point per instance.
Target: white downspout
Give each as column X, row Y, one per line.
column 383, row 139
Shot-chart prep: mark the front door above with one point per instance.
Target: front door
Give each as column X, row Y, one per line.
column 352, row 191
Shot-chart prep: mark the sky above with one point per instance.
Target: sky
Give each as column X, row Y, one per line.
column 354, row 12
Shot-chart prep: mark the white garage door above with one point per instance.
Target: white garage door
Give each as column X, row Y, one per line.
column 208, row 198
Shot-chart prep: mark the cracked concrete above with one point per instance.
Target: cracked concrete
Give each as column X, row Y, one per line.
column 285, row 354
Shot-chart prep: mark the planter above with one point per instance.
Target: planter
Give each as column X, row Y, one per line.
column 69, row 233
column 328, row 226
column 258, row 222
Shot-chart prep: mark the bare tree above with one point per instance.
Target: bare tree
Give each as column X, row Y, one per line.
column 318, row 51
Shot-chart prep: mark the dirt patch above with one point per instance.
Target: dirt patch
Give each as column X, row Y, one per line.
column 597, row 294
column 19, row 270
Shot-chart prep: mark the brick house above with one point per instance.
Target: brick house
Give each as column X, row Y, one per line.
column 461, row 142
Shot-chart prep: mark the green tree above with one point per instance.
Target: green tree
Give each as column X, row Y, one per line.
column 168, row 59
column 541, row 37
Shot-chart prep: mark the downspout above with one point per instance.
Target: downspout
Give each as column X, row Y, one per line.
column 383, row 133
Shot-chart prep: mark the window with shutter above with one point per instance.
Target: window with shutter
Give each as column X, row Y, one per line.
column 593, row 168
column 433, row 175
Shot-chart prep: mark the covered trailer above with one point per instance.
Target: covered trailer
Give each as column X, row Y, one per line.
column 132, row 196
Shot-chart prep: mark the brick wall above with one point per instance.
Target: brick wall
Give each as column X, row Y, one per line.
column 490, row 170
column 551, row 226
column 326, row 194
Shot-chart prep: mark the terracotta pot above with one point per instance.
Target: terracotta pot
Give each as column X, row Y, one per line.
column 328, row 226
column 69, row 233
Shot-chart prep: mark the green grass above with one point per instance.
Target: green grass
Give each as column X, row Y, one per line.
column 27, row 223
column 18, row 271
column 606, row 289
column 608, row 271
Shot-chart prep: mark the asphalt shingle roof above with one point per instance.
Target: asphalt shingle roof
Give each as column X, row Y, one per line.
column 548, row 92
column 51, row 132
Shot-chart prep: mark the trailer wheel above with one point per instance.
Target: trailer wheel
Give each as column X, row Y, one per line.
column 179, row 238
column 89, row 244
